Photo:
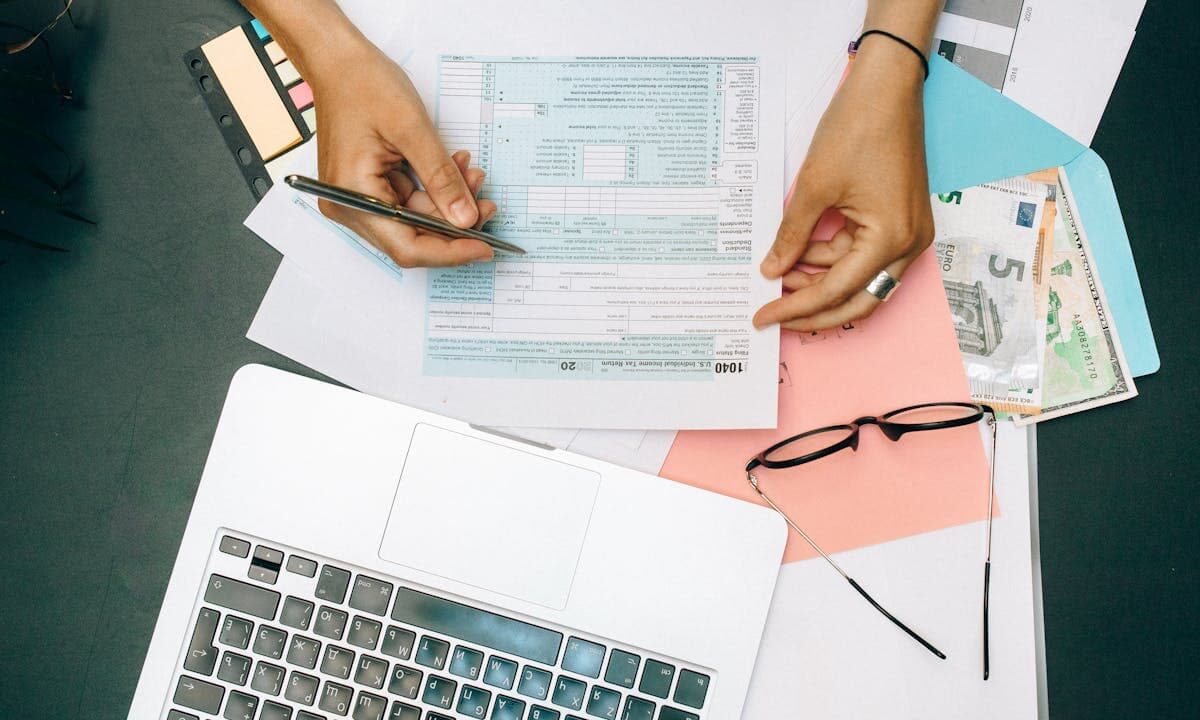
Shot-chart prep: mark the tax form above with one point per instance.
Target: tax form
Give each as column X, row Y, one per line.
column 644, row 177
column 631, row 184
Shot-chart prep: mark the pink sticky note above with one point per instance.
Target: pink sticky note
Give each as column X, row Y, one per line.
column 302, row 95
column 904, row 354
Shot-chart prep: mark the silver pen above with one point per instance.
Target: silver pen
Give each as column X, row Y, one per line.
column 375, row 206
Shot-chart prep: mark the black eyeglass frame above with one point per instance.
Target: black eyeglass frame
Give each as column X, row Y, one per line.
column 893, row 431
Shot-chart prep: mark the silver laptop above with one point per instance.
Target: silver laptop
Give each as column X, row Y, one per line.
column 348, row 557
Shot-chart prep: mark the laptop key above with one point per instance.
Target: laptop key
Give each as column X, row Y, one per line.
column 235, row 632
column 432, row 652
column 306, row 715
column 583, row 657
column 404, row 711
column 569, row 693
column 473, row 702
column 656, row 680
column 500, row 673
column 332, row 584
column 241, row 706
column 196, row 694
column 535, row 683
column 268, row 678
column 201, row 655
column 233, row 668
column 537, row 712
column 275, row 711
column 180, row 715
column 296, row 613
column 335, row 698
column 364, row 632
column 371, row 595
column 337, row 662
column 371, row 672
column 508, row 708
column 369, row 707
column 638, row 709
column 398, row 642
column 241, row 597
column 330, row 622
column 670, row 713
column 405, row 682
column 301, row 688
column 603, row 703
column 270, row 642
column 466, row 662
column 304, row 651
column 622, row 668
column 439, row 692
column 301, row 566
column 234, row 546
column 692, row 688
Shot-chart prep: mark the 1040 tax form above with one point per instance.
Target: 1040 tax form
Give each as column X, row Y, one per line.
column 646, row 188
column 631, row 184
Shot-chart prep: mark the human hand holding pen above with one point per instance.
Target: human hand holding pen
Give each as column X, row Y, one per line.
column 371, row 122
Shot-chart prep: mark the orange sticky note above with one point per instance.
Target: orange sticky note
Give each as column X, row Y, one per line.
column 904, row 354
column 252, row 93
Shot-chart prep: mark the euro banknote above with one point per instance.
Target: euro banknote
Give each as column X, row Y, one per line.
column 988, row 243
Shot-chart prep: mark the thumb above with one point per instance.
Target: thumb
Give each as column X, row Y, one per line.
column 441, row 176
column 799, row 219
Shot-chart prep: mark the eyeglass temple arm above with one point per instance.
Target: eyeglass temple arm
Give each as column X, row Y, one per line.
column 987, row 562
column 854, row 584
column 895, row 620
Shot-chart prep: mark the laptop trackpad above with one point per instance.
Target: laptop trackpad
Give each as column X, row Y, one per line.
column 490, row 516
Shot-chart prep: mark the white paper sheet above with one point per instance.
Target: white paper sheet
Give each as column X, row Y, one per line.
column 827, row 654
column 504, row 369
column 316, row 329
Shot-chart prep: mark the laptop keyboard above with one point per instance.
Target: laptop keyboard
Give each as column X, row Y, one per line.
column 284, row 634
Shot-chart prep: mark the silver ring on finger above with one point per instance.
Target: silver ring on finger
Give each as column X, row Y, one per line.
column 882, row 286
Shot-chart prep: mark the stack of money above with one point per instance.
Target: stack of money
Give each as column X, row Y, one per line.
column 1028, row 306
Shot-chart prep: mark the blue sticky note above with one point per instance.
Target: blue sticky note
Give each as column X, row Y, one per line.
column 260, row 30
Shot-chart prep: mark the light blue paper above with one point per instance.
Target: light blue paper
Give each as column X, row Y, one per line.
column 974, row 135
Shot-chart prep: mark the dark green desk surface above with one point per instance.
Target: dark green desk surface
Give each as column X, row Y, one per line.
column 115, row 359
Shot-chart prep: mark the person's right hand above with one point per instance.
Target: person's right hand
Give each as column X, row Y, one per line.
column 370, row 120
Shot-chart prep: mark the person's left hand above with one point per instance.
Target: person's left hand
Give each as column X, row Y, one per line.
column 867, row 159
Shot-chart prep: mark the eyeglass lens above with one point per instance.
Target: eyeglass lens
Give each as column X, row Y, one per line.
column 931, row 414
column 810, row 442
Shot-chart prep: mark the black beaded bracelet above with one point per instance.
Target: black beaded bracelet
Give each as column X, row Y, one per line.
column 920, row 55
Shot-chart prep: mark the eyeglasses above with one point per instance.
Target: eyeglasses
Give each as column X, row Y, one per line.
column 823, row 442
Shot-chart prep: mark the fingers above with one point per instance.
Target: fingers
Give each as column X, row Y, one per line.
column 441, row 175
column 826, row 254
column 799, row 219
column 857, row 307
column 822, row 301
column 797, row 279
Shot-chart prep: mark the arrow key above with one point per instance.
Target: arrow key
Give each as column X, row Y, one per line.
column 198, row 695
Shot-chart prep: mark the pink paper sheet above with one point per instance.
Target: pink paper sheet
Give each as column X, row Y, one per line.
column 904, row 354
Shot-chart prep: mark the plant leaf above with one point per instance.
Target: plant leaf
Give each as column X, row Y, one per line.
column 15, row 47
column 16, row 239
column 26, row 198
column 16, row 165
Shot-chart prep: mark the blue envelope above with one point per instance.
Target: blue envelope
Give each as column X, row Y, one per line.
column 974, row 134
